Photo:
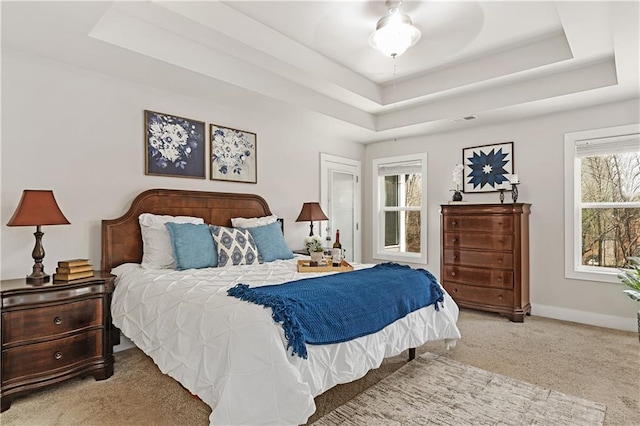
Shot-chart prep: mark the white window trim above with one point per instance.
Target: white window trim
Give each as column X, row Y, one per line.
column 378, row 233
column 573, row 269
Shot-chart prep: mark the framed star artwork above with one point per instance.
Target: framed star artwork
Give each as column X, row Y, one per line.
column 487, row 168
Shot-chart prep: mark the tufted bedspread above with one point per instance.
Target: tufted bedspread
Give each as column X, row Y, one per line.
column 231, row 353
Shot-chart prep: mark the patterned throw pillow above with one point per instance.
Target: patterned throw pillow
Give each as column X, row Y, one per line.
column 235, row 246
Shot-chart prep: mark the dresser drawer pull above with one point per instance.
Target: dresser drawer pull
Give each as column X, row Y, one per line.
column 57, row 320
column 455, row 240
column 454, row 257
column 57, row 355
column 453, row 273
column 454, row 223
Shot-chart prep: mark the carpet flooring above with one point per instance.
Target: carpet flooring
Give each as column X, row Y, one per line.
column 593, row 363
column 435, row 390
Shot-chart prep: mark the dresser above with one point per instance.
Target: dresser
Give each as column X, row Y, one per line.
column 485, row 257
column 54, row 332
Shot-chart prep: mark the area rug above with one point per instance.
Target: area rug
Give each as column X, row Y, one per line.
column 435, row 390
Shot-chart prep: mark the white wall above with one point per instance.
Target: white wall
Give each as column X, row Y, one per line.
column 538, row 160
column 81, row 134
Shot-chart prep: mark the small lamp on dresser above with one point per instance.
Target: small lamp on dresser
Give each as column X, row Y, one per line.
column 37, row 208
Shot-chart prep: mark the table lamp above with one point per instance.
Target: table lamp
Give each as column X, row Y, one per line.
column 311, row 212
column 37, row 208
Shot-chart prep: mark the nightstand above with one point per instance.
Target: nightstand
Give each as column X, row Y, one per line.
column 54, row 332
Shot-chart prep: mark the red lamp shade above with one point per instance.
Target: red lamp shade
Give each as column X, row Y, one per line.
column 311, row 212
column 37, row 208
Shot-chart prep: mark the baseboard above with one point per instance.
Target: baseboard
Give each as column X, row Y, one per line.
column 124, row 344
column 582, row 317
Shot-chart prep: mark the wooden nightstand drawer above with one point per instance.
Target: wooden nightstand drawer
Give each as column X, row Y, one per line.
column 478, row 258
column 479, row 295
column 480, row 277
column 48, row 357
column 28, row 324
column 478, row 241
column 488, row 223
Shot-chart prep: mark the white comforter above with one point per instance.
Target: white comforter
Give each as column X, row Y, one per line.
column 231, row 353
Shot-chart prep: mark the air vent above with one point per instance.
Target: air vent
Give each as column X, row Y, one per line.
column 465, row 118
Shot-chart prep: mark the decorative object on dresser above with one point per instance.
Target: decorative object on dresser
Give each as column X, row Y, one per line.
column 457, row 181
column 233, row 154
column 485, row 257
column 487, row 167
column 37, row 208
column 54, row 332
column 74, row 269
column 510, row 185
column 174, row 146
column 311, row 212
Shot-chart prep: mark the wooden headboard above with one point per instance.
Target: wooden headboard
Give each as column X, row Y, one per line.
column 121, row 238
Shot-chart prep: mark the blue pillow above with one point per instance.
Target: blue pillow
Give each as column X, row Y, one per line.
column 193, row 246
column 270, row 242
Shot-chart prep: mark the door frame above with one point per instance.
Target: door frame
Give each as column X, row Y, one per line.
column 326, row 160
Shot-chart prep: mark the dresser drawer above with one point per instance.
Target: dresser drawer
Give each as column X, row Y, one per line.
column 478, row 241
column 48, row 321
column 48, row 357
column 485, row 259
column 479, row 295
column 486, row 223
column 478, row 277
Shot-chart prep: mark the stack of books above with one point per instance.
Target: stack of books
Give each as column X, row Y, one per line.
column 69, row 270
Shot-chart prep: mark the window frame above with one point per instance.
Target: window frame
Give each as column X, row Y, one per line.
column 378, row 251
column 573, row 204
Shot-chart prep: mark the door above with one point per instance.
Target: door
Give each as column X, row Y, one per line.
column 340, row 199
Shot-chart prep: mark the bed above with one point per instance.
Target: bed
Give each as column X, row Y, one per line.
column 229, row 352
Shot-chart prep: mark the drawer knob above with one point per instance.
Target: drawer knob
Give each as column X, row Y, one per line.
column 455, row 290
column 57, row 355
column 454, row 257
column 57, row 320
column 453, row 273
column 455, row 240
column 454, row 223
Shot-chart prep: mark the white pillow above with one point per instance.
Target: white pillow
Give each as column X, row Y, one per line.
column 242, row 222
column 157, row 252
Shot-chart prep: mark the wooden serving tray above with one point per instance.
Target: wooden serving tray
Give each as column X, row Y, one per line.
column 303, row 266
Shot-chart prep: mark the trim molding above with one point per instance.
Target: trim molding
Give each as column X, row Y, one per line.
column 583, row 317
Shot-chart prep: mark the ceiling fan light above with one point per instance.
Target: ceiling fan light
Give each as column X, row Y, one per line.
column 394, row 33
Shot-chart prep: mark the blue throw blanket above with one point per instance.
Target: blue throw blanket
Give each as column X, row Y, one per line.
column 341, row 307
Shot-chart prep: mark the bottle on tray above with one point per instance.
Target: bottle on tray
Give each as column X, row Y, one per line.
column 336, row 253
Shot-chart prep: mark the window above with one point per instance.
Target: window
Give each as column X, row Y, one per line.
column 399, row 206
column 602, row 201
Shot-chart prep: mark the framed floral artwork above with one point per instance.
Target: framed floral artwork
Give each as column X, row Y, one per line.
column 174, row 146
column 233, row 155
column 487, row 167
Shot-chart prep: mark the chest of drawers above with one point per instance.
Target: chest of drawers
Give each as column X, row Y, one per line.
column 54, row 332
column 485, row 257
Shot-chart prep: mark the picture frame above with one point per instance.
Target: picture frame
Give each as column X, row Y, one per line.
column 487, row 167
column 233, row 155
column 174, row 146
